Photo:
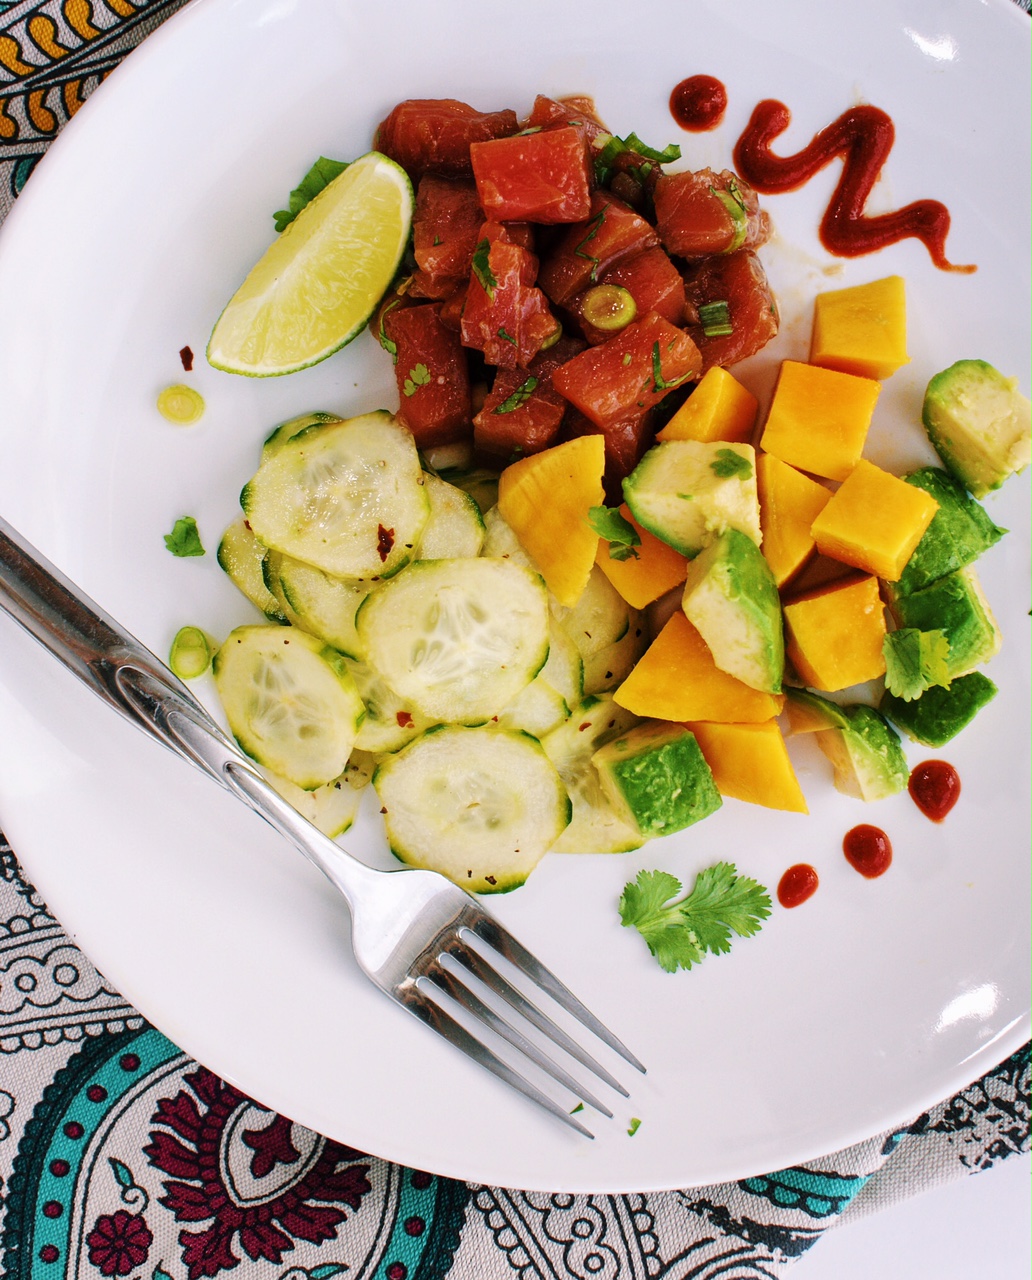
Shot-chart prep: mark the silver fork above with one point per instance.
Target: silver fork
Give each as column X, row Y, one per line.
column 421, row 939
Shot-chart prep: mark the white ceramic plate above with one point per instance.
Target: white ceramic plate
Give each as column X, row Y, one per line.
column 840, row 1018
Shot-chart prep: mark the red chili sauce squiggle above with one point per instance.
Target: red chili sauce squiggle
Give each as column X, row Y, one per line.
column 863, row 136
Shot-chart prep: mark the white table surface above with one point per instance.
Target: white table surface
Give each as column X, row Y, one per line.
column 977, row 1228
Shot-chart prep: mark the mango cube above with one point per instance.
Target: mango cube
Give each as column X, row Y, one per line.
column 789, row 504
column 874, row 521
column 819, row 419
column 646, row 575
column 750, row 762
column 677, row 679
column 834, row 635
column 719, row 408
column 862, row 330
column 545, row 500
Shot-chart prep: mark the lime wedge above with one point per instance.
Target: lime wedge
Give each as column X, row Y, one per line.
column 315, row 287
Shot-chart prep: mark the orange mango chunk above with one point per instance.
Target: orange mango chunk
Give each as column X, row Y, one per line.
column 862, row 330
column 545, row 499
column 677, row 679
column 644, row 578
column 789, row 504
column 834, row 635
column 750, row 762
column 719, row 408
column 819, row 418
column 874, row 521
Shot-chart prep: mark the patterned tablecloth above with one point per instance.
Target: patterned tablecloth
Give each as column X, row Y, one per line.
column 119, row 1156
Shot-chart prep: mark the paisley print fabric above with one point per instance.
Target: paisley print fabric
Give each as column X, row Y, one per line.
column 121, row 1157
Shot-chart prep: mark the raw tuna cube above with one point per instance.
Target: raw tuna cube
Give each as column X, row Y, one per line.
column 435, row 133
column 630, row 373
column 505, row 316
column 698, row 214
column 612, row 231
column 523, row 412
column 433, row 379
column 739, row 280
column 535, row 177
column 653, row 282
column 445, row 230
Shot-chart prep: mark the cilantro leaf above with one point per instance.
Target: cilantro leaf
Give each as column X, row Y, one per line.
column 621, row 535
column 482, row 268
column 593, row 228
column 321, row 174
column 520, row 396
column 184, row 540
column 680, row 933
column 418, row 376
column 729, row 463
column 914, row 661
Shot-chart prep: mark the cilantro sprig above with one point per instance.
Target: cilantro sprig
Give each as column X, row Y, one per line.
column 320, row 175
column 520, row 396
column 915, row 661
column 482, row 268
column 184, row 540
column 728, row 463
column 680, row 933
column 618, row 531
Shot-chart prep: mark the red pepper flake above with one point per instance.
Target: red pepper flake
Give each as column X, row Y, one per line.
column 490, row 879
column 404, row 719
column 384, row 542
column 186, row 355
column 585, row 725
column 383, row 810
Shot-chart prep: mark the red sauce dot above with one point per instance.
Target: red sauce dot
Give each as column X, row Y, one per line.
column 698, row 103
column 934, row 787
column 797, row 884
column 868, row 851
column 49, row 1253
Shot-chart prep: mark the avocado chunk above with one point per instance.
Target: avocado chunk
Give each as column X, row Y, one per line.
column 866, row 755
column 808, row 712
column 958, row 534
column 731, row 599
column 979, row 424
column 956, row 606
column 657, row 778
column 687, row 492
column 940, row 714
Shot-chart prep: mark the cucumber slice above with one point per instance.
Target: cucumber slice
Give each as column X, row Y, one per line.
column 600, row 617
column 347, row 497
column 457, row 639
column 316, row 601
column 455, row 528
column 390, row 723
column 595, row 826
column 500, row 541
column 240, row 555
column 191, row 653
column 290, row 701
column 537, row 710
column 293, row 427
column 609, row 667
column 564, row 669
column 482, row 806
column 481, row 485
column 331, row 808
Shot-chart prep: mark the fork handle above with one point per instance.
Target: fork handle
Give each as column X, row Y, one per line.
column 137, row 684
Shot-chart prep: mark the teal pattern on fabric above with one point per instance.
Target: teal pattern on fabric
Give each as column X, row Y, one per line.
column 818, row 1195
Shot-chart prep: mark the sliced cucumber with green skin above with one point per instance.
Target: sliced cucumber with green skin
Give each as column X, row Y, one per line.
column 457, row 639
column 480, row 805
column 600, row 617
column 481, row 485
column 331, row 808
column 564, row 669
column 455, row 528
column 293, row 427
column 538, row 710
column 240, row 555
column 610, row 666
column 390, row 722
column 290, row 701
column 317, row 602
column 595, row 826
column 500, row 541
column 347, row 497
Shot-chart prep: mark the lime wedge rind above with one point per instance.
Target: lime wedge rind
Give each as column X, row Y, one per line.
column 315, row 287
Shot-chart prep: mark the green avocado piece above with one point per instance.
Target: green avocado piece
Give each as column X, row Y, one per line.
column 657, row 778
column 958, row 534
column 686, row 492
column 731, row 598
column 978, row 423
column 956, row 606
column 940, row 714
column 808, row 712
column 867, row 756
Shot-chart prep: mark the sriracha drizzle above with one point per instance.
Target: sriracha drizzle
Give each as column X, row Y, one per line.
column 863, row 137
